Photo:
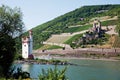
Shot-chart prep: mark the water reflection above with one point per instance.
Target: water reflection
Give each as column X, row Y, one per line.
column 87, row 70
column 25, row 67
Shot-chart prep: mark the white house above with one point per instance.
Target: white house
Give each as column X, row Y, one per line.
column 27, row 46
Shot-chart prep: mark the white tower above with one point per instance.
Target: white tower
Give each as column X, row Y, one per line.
column 27, row 46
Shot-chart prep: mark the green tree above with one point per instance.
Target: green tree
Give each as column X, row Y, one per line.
column 10, row 21
column 7, row 52
column 11, row 25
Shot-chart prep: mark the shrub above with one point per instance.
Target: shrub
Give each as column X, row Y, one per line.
column 53, row 74
column 21, row 74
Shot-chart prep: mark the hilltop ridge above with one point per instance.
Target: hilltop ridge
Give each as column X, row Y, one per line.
column 80, row 16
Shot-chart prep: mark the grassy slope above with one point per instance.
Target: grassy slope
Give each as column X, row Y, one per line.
column 58, row 25
column 109, row 22
column 69, row 40
column 86, row 27
column 73, row 38
column 49, row 47
column 77, row 29
column 58, row 39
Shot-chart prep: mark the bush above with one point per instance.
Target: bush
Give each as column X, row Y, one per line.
column 53, row 74
column 21, row 74
column 11, row 25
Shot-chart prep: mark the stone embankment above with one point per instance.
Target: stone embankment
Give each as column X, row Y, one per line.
column 79, row 51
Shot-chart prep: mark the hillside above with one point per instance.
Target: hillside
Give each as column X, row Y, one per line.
column 80, row 16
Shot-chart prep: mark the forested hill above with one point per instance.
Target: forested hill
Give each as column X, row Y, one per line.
column 79, row 16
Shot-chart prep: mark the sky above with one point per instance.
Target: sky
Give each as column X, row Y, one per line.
column 36, row 12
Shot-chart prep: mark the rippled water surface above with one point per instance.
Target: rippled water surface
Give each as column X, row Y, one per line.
column 83, row 70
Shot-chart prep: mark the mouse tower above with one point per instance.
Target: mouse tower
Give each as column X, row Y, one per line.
column 27, row 46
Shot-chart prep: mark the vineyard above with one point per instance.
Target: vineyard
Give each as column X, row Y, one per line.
column 116, row 43
column 58, row 38
column 49, row 47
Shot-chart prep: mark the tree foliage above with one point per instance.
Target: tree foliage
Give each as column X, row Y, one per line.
column 7, row 52
column 10, row 26
column 10, row 20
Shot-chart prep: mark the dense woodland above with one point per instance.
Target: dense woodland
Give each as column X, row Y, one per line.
column 61, row 24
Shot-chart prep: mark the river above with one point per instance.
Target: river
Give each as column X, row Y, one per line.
column 84, row 70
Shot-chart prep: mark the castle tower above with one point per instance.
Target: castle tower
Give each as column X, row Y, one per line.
column 27, row 46
column 94, row 26
column 99, row 24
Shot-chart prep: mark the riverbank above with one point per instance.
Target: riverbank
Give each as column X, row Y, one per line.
column 44, row 62
column 112, row 54
column 83, row 58
column 63, row 60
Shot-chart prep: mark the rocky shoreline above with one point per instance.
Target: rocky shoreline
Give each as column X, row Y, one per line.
column 43, row 62
column 58, row 60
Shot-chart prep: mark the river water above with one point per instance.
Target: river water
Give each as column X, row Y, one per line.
column 84, row 70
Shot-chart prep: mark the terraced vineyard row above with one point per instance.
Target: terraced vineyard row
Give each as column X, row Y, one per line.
column 117, row 42
column 58, row 39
